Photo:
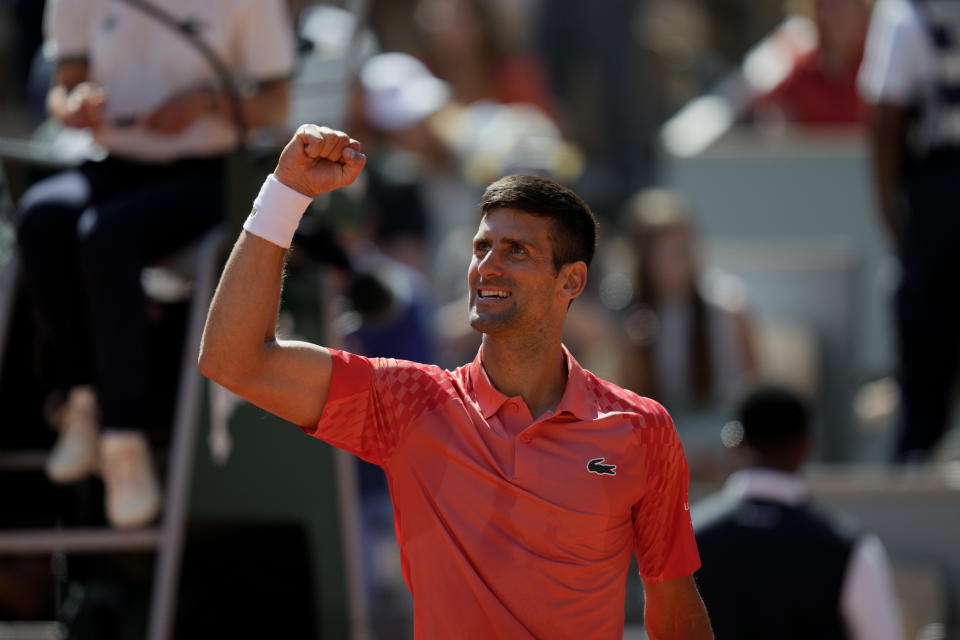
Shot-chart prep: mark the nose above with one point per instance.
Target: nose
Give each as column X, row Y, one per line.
column 488, row 266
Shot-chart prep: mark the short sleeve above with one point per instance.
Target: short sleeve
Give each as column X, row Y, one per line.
column 893, row 59
column 663, row 533
column 373, row 401
column 265, row 34
column 67, row 29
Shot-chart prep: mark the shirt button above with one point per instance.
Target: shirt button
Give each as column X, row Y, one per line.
column 525, row 439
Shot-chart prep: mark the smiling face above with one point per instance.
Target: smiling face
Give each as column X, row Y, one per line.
column 514, row 285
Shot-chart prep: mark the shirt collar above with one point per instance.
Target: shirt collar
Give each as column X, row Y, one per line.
column 576, row 400
column 766, row 484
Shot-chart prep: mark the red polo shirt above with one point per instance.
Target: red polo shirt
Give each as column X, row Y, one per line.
column 525, row 536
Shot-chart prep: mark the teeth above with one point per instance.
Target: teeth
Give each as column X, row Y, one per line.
column 493, row 293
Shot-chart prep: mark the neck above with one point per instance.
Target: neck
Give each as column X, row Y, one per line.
column 533, row 369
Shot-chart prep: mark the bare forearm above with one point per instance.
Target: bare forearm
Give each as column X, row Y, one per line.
column 242, row 318
column 675, row 611
column 268, row 107
column 887, row 138
column 694, row 626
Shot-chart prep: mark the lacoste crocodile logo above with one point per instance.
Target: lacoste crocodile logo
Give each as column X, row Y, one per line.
column 596, row 466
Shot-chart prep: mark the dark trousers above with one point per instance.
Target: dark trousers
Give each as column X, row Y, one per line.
column 928, row 302
column 84, row 236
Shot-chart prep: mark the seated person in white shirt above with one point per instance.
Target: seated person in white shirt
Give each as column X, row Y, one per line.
column 774, row 565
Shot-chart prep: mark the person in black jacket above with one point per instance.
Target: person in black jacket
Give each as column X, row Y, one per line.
column 774, row 565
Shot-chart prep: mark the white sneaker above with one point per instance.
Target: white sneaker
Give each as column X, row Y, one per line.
column 74, row 456
column 132, row 490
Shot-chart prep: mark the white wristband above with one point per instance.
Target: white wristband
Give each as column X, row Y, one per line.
column 276, row 212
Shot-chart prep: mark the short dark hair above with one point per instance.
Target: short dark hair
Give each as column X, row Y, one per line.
column 773, row 418
column 574, row 234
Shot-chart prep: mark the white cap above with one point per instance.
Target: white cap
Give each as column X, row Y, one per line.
column 399, row 91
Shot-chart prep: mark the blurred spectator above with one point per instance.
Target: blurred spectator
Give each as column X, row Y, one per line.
column 588, row 48
column 773, row 564
column 465, row 43
column 678, row 53
column 690, row 344
column 822, row 87
column 909, row 78
column 396, row 97
column 156, row 105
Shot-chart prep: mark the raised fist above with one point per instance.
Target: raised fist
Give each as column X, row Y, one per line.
column 319, row 159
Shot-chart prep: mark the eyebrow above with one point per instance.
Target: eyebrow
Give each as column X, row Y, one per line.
column 508, row 241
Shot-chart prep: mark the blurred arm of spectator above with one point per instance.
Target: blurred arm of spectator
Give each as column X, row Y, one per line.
column 73, row 100
column 76, row 102
column 887, row 129
column 895, row 66
column 266, row 107
column 746, row 332
column 868, row 599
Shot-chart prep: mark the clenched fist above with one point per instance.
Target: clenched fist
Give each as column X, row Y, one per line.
column 319, row 159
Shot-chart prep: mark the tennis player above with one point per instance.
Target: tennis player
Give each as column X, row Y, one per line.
column 522, row 483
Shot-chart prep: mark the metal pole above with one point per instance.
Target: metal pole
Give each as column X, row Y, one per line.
column 163, row 599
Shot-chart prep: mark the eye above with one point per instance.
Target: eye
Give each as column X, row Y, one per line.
column 480, row 248
column 517, row 250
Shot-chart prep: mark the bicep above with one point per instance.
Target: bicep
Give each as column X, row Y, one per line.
column 674, row 609
column 292, row 381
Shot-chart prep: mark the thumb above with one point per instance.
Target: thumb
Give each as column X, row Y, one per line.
column 353, row 163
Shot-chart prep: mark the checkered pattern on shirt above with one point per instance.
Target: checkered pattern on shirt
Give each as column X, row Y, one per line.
column 663, row 512
column 375, row 400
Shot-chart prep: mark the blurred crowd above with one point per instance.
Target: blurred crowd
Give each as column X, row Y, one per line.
column 446, row 96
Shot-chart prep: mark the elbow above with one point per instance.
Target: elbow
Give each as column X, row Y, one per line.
column 213, row 365
column 227, row 369
column 210, row 366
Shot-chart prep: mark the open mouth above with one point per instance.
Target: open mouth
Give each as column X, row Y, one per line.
column 492, row 294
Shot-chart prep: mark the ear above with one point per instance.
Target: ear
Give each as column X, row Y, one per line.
column 571, row 280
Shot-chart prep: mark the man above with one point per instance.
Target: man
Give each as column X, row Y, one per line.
column 520, row 482
column 909, row 76
column 774, row 566
column 154, row 103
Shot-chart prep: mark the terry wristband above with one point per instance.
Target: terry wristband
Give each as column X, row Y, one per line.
column 276, row 212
